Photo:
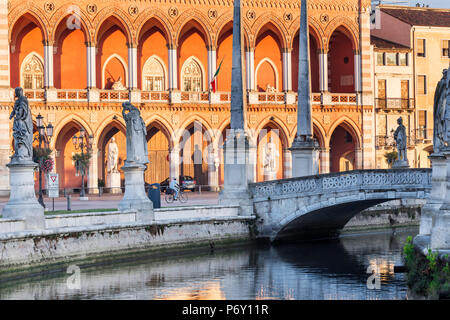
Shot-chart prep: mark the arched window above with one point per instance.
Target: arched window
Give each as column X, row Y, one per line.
column 32, row 72
column 192, row 76
column 153, row 75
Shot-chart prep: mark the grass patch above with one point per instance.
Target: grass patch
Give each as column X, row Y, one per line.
column 79, row 211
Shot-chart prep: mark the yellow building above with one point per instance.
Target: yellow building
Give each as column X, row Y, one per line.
column 426, row 32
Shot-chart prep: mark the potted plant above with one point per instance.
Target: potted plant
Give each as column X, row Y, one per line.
column 101, row 185
column 390, row 157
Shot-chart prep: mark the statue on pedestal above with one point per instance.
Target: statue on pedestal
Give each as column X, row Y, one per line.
column 270, row 158
column 137, row 152
column 441, row 134
column 113, row 156
column 400, row 139
column 22, row 129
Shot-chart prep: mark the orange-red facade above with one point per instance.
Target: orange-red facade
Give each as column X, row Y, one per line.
column 79, row 60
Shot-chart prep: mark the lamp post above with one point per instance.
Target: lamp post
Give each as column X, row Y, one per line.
column 45, row 133
column 81, row 142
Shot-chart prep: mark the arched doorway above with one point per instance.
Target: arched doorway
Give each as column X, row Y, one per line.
column 158, row 143
column 117, row 131
column 270, row 153
column 341, row 63
column 343, row 145
column 64, row 150
column 194, row 148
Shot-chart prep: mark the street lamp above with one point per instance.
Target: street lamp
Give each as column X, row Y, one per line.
column 81, row 142
column 45, row 134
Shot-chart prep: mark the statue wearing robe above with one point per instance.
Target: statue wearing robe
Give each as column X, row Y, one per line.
column 22, row 128
column 113, row 155
column 137, row 152
column 400, row 139
column 441, row 116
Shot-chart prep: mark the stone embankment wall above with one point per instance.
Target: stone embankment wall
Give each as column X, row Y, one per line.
column 393, row 213
column 80, row 236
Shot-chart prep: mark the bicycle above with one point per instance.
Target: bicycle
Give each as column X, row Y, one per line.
column 169, row 197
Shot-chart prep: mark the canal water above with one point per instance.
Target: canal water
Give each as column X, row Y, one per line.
column 337, row 269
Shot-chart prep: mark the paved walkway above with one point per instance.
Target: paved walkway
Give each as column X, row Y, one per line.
column 107, row 201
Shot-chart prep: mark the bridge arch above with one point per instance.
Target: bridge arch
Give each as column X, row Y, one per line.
column 320, row 206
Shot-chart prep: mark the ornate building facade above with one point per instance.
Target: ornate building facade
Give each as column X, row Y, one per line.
column 79, row 60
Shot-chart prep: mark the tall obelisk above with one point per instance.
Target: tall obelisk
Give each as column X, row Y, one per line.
column 304, row 149
column 237, row 169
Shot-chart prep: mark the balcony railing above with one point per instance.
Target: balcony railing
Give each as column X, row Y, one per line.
column 394, row 103
column 174, row 97
column 424, row 134
column 388, row 142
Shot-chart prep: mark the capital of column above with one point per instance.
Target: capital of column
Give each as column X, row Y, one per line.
column 91, row 44
column 132, row 45
column 48, row 43
column 211, row 47
column 250, row 49
column 287, row 50
column 172, row 46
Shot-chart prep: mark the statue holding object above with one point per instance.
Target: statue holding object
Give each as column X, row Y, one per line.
column 22, row 129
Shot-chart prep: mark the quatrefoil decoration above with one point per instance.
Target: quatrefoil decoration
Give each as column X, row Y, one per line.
column 212, row 14
column 173, row 12
column 133, row 10
column 324, row 18
column 288, row 16
column 49, row 6
column 251, row 15
column 91, row 8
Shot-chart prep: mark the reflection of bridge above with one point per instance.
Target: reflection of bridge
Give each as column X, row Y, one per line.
column 321, row 205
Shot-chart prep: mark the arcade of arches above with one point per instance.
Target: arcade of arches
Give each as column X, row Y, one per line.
column 164, row 60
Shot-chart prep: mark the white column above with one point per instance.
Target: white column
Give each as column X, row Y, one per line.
column 357, row 76
column 174, row 164
column 212, row 64
column 323, row 71
column 173, row 68
column 91, row 52
column 287, row 70
column 48, row 65
column 250, row 66
column 287, row 163
column 92, row 182
column 132, row 66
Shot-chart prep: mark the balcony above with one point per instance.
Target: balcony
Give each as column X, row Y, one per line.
column 394, row 104
column 424, row 135
column 388, row 142
column 181, row 97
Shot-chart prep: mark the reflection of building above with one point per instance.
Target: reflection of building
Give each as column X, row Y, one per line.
column 411, row 48
column 166, row 54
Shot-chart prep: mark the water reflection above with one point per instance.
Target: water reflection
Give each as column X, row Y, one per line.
column 322, row 270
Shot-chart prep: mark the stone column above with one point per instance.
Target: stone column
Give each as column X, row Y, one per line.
column 213, row 169
column 250, row 68
column 304, row 149
column 357, row 58
column 323, row 70
column 132, row 66
column 92, row 182
column 91, row 53
column 173, row 68
column 440, row 229
column 48, row 64
column 237, row 168
column 212, row 64
column 287, row 163
column 325, row 160
column 437, row 195
column 287, row 69
column 174, row 164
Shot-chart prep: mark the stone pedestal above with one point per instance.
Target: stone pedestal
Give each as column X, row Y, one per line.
column 440, row 229
column 22, row 202
column 113, row 182
column 238, row 172
column 437, row 195
column 135, row 198
column 400, row 164
column 305, row 158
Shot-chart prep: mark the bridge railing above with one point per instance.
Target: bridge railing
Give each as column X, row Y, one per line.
column 357, row 180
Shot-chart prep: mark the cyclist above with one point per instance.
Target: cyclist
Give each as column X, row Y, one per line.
column 175, row 187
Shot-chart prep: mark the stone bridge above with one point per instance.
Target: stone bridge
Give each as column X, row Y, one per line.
column 319, row 206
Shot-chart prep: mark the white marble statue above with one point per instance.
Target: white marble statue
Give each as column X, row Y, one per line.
column 22, row 128
column 441, row 134
column 271, row 155
column 118, row 85
column 270, row 89
column 113, row 156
